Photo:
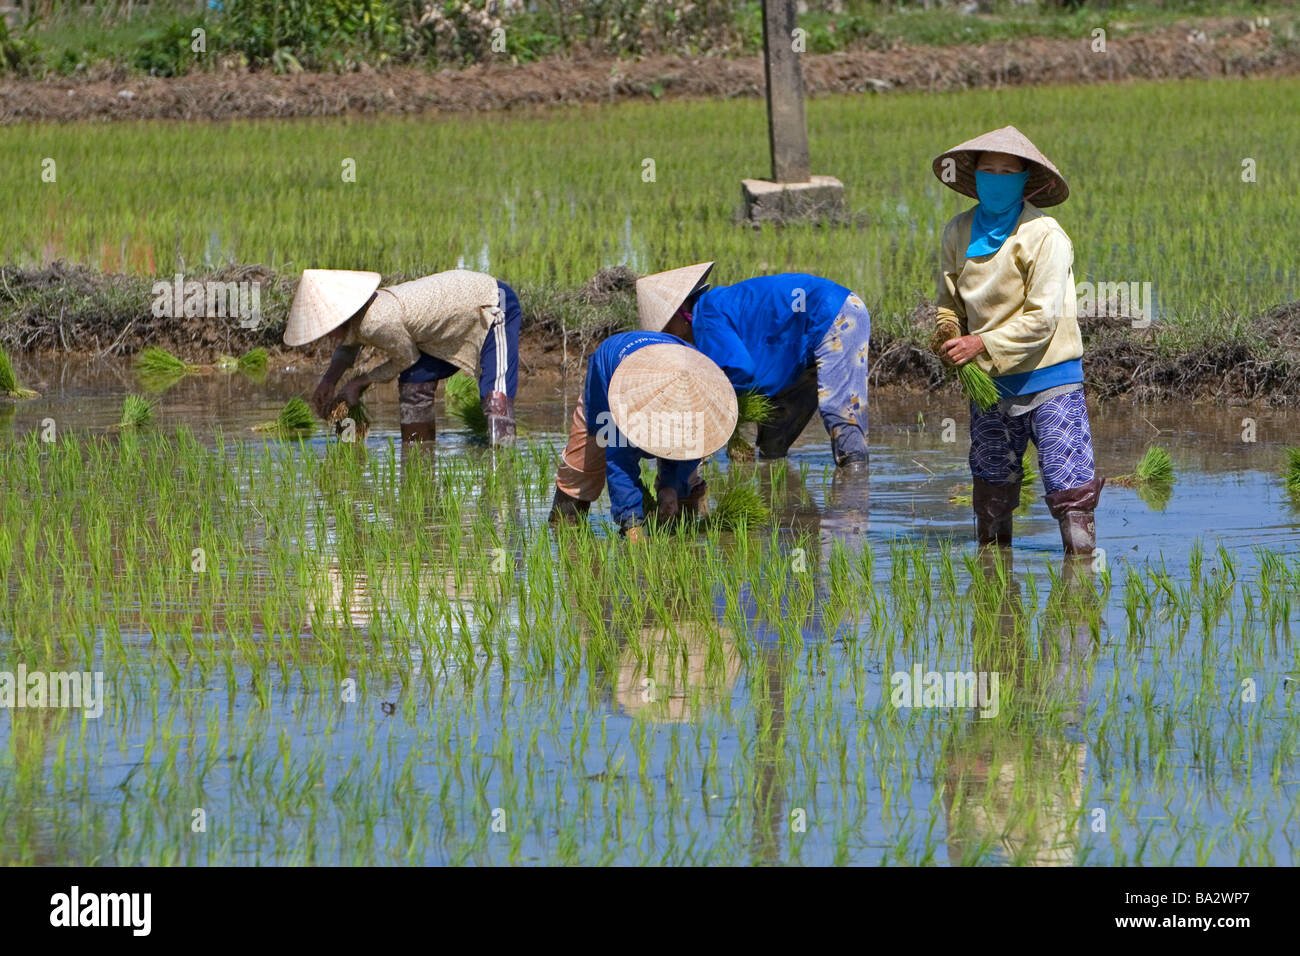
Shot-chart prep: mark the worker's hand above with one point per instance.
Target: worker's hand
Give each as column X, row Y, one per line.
column 351, row 392
column 634, row 534
column 962, row 349
column 668, row 505
column 322, row 400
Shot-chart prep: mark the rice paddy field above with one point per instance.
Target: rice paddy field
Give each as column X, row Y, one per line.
column 343, row 655
column 317, row 651
column 1188, row 186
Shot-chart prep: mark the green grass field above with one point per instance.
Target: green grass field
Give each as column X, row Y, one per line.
column 1156, row 172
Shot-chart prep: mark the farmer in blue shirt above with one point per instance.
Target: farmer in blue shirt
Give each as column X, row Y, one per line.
column 798, row 339
column 647, row 395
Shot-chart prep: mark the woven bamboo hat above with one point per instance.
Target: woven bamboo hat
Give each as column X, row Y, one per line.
column 659, row 296
column 326, row 298
column 1045, row 186
column 672, row 402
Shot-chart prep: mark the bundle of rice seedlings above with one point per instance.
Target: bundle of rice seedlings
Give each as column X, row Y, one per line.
column 1292, row 473
column 295, row 420
column 160, row 362
column 751, row 407
column 739, row 506
column 359, row 415
column 1028, row 483
column 252, row 362
column 136, row 412
column 9, row 386
column 1153, row 478
column 464, row 405
column 978, row 386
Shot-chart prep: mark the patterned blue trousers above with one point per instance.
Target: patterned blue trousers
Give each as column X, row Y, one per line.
column 1060, row 430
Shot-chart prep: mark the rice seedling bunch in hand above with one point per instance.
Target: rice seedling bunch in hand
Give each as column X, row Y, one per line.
column 978, row 386
column 359, row 415
column 464, row 405
column 9, row 387
column 294, row 421
column 751, row 407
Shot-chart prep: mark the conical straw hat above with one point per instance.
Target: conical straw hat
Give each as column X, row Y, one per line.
column 327, row 298
column 672, row 402
column 1045, row 186
column 659, row 296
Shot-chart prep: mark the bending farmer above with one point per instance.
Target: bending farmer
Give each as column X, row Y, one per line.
column 429, row 328
column 647, row 395
column 1007, row 302
column 798, row 339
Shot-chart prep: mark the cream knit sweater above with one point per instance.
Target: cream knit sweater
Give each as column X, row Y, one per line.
column 446, row 315
column 1020, row 300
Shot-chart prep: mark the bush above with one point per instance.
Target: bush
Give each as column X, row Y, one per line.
column 168, row 50
column 18, row 53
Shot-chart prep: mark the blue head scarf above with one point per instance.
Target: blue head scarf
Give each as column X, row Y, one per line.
column 1001, row 197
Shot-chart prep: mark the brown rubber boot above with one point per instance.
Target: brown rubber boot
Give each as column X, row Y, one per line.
column 1073, row 508
column 567, row 508
column 500, row 411
column 994, row 505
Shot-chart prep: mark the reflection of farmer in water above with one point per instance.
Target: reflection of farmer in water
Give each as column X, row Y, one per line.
column 1007, row 302
column 1011, row 790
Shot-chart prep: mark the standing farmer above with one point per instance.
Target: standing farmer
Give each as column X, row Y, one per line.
column 429, row 328
column 798, row 339
column 647, row 395
column 1007, row 302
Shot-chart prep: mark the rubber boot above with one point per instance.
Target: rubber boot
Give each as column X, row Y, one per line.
column 419, row 431
column 1073, row 508
column 567, row 508
column 994, row 506
column 500, row 411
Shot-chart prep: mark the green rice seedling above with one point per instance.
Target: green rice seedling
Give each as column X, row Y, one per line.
column 1153, row 478
column 978, row 386
column 136, row 412
column 252, row 362
column 739, row 506
column 751, row 408
column 157, row 361
column 465, row 405
column 294, row 421
column 9, row 387
column 1291, row 474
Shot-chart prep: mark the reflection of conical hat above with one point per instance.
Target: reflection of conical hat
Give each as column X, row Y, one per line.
column 680, row 676
column 659, row 296
column 673, row 402
column 327, row 298
column 1045, row 186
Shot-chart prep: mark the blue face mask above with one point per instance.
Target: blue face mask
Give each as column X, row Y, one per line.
column 1001, row 197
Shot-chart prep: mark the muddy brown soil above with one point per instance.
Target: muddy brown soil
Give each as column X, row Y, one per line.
column 1224, row 47
column 71, row 310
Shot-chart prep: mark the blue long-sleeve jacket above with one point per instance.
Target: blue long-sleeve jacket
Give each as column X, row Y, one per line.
column 763, row 332
column 623, row 460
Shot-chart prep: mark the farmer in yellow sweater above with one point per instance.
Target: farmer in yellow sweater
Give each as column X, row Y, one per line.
column 428, row 328
column 1007, row 302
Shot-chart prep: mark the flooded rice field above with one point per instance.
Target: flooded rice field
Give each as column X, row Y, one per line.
column 314, row 652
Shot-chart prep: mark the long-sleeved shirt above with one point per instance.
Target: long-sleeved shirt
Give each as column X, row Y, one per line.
column 1019, row 300
column 763, row 332
column 622, row 459
column 446, row 315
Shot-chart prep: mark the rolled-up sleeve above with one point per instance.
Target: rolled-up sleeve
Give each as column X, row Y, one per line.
column 395, row 341
column 1047, row 282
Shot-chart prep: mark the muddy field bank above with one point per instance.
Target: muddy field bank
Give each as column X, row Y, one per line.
column 76, row 311
column 1228, row 47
